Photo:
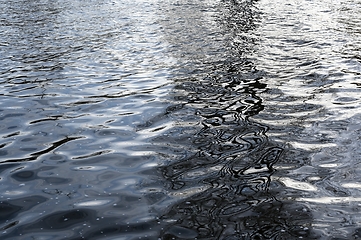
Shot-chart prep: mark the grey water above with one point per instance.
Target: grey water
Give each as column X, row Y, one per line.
column 157, row 119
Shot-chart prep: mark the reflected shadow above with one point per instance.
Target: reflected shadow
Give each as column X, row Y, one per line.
column 222, row 187
column 219, row 162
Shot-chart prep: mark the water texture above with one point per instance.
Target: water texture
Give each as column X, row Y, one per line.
column 180, row 119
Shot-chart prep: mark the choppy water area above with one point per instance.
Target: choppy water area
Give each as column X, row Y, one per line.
column 180, row 120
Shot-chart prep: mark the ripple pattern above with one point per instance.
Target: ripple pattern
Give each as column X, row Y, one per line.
column 220, row 119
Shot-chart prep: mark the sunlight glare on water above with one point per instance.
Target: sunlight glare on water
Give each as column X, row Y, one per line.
column 311, row 54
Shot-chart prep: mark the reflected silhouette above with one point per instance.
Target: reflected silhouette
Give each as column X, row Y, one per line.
column 227, row 185
column 221, row 184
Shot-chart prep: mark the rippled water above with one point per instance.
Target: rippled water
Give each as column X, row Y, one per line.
column 180, row 119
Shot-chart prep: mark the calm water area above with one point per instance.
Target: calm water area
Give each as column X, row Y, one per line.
column 184, row 119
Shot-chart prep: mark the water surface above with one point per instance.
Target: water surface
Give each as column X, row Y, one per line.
column 180, row 120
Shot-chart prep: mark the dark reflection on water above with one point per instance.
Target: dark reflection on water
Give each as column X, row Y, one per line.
column 222, row 184
column 224, row 187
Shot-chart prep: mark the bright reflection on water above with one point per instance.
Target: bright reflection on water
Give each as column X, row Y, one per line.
column 180, row 120
column 311, row 53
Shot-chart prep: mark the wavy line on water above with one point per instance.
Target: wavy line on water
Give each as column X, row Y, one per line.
column 56, row 117
column 11, row 134
column 36, row 155
column 93, row 154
